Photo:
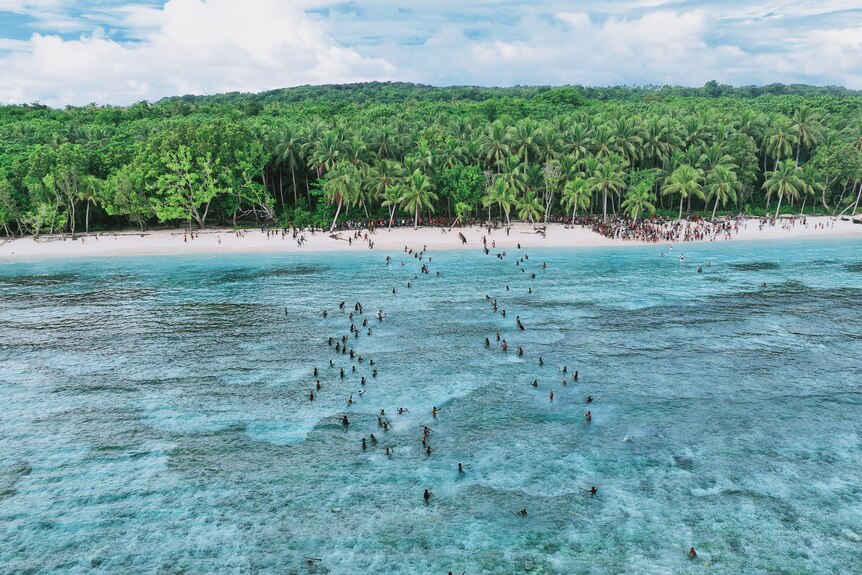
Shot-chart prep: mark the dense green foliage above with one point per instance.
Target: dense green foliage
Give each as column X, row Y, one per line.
column 312, row 155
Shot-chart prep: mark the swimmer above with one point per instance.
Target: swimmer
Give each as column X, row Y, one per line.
column 318, row 385
column 575, row 377
column 364, row 445
column 522, row 512
column 589, row 399
column 426, row 496
column 311, row 396
column 428, row 451
column 541, row 361
column 344, row 421
column 373, row 440
column 535, row 383
column 460, row 468
column 588, row 416
column 592, row 490
column 551, row 395
column 434, row 411
column 692, row 554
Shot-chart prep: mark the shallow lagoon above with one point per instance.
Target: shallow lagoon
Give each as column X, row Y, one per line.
column 154, row 413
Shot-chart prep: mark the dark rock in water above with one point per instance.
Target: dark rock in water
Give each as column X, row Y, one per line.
column 755, row 266
column 683, row 461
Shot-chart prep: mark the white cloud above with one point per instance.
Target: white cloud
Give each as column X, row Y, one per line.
column 136, row 51
column 191, row 46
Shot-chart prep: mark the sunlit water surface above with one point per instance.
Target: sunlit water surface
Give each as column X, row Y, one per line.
column 154, row 413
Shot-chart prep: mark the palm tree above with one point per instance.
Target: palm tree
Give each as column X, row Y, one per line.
column 341, row 185
column 418, row 194
column 608, row 177
column 639, row 199
column 495, row 144
column 529, row 207
column 784, row 181
column 576, row 195
column 779, row 143
column 461, row 209
column 806, row 128
column 501, row 194
column 721, row 184
column 527, row 140
column 685, row 181
column 812, row 184
column 289, row 150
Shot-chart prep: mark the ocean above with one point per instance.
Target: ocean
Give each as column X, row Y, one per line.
column 155, row 413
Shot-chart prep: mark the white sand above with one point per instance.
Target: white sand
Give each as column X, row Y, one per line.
column 213, row 241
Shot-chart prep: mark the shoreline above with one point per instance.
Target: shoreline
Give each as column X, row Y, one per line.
column 227, row 241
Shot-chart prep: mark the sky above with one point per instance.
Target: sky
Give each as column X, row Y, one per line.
column 76, row 52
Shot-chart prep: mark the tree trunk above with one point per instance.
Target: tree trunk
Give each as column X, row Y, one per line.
column 293, row 179
column 779, row 205
column 715, row 208
column 858, row 196
column 681, row 200
column 87, row 219
column 416, row 217
column 391, row 216
column 337, row 211
column 802, row 209
column 605, row 206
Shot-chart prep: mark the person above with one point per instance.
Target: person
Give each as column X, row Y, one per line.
column 505, row 345
column 588, row 416
column 373, row 440
column 426, row 496
column 460, row 468
column 564, row 381
column 434, row 411
column 314, row 372
column 311, row 395
column 318, row 385
column 541, row 361
column 349, row 401
column 592, row 490
column 589, row 399
column 487, row 342
column 342, row 373
column 575, row 377
column 428, row 450
column 535, row 383
column 692, row 554
column 331, row 363
column 344, row 421
column 551, row 395
column 522, row 512
column 364, row 445
column 389, row 451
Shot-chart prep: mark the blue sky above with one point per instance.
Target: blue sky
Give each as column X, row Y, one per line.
column 108, row 51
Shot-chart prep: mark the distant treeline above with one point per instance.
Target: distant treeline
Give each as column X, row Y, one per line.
column 314, row 154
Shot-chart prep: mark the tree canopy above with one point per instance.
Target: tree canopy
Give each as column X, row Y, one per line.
column 323, row 154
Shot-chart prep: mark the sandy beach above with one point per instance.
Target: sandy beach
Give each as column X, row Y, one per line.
column 225, row 240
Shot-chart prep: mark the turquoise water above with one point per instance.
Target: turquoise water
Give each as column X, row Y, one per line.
column 154, row 413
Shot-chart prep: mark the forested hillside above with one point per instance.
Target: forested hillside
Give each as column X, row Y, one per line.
column 309, row 155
